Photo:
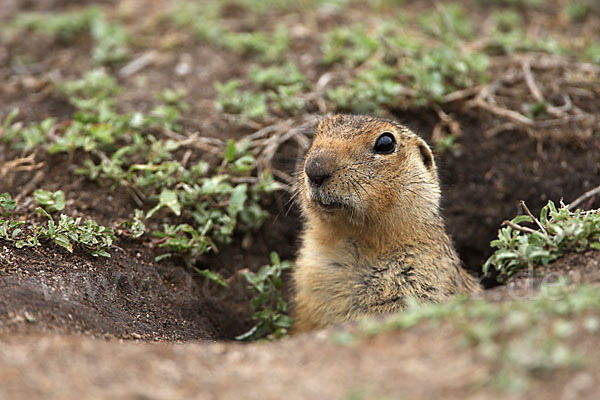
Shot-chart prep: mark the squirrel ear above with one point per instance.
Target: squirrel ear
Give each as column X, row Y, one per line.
column 426, row 154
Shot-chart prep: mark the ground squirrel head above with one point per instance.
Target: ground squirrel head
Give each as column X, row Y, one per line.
column 365, row 170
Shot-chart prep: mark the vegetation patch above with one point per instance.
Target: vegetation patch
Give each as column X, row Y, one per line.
column 65, row 231
column 557, row 231
column 120, row 150
column 110, row 38
column 270, row 309
column 522, row 339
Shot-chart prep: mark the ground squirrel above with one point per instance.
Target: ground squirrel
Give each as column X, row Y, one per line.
column 373, row 236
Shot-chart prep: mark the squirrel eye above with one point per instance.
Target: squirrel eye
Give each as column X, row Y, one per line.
column 385, row 143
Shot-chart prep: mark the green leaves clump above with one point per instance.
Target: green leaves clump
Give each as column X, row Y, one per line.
column 231, row 99
column 558, row 231
column 275, row 76
column 205, row 22
column 95, row 84
column 280, row 91
column 269, row 46
column 122, row 150
column 578, row 10
column 405, row 68
column 521, row 339
column 438, row 71
column 353, row 45
column 50, row 201
column 448, row 20
column 134, row 228
column 110, row 38
column 373, row 90
column 65, row 232
column 7, row 204
column 24, row 137
column 217, row 206
column 64, row 26
column 96, row 238
column 267, row 303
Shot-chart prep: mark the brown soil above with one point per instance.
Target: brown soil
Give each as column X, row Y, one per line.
column 54, row 306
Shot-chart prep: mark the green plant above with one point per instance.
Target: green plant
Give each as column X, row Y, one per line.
column 134, row 228
column 97, row 239
column 353, row 45
column 507, row 20
column 267, row 303
column 217, row 206
column 95, row 84
column 578, row 10
column 64, row 26
column 371, row 92
column 202, row 19
column 558, row 231
column 96, row 124
column 50, row 201
column 122, row 150
column 23, row 137
column 446, row 144
column 205, row 22
column 448, row 22
column 7, row 204
column 110, row 38
column 280, row 90
column 405, row 68
column 592, row 52
column 265, row 6
column 275, row 76
column 270, row 47
column 231, row 99
column 507, row 36
column 520, row 339
column 440, row 70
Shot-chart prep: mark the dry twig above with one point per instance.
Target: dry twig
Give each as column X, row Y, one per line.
column 537, row 221
column 583, row 197
column 518, row 227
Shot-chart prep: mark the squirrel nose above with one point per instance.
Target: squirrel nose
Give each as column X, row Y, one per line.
column 318, row 167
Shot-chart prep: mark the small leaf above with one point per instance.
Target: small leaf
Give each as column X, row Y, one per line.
column 169, row 199
column 283, row 321
column 275, row 260
column 229, row 154
column 162, row 257
column 211, row 275
column 248, row 335
column 6, row 202
column 63, row 241
column 40, row 210
column 522, row 218
column 153, row 210
column 505, row 254
column 544, row 215
column 237, row 200
column 50, row 201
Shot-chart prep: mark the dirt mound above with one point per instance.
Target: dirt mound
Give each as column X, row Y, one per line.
column 127, row 296
column 429, row 361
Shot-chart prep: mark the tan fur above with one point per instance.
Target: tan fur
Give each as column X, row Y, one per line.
column 385, row 241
